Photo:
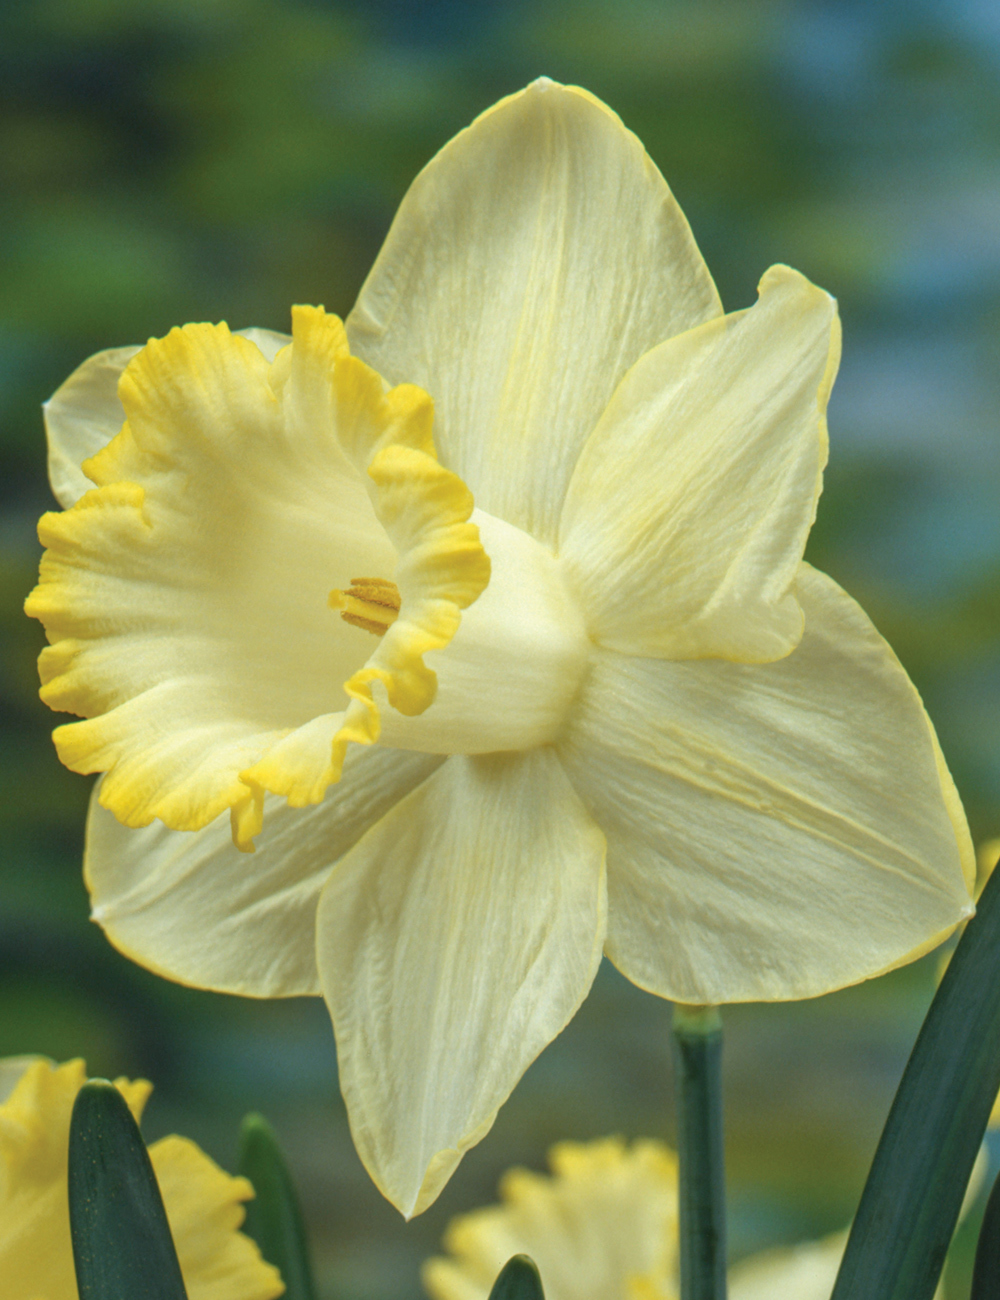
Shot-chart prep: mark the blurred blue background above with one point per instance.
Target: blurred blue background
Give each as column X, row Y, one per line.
column 182, row 160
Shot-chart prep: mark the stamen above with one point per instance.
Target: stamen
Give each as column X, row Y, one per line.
column 369, row 603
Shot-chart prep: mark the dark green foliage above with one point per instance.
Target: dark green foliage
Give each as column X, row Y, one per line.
column 274, row 1218
column 921, row 1169
column 518, row 1280
column 986, row 1275
column 122, row 1245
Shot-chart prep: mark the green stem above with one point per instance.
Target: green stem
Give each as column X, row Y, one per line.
column 698, row 1075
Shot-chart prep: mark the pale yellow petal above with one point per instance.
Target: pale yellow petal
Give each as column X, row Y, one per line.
column 81, row 417
column 803, row 1272
column 774, row 831
column 687, row 515
column 187, row 905
column 85, row 412
column 532, row 262
column 454, row 942
column 602, row 1227
column 204, row 1207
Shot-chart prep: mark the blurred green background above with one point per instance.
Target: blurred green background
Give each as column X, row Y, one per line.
column 176, row 160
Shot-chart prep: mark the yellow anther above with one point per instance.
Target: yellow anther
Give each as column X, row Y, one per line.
column 369, row 603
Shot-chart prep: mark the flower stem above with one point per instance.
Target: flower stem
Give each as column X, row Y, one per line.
column 697, row 1034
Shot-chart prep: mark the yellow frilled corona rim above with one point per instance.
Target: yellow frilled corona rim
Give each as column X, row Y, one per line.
column 203, row 402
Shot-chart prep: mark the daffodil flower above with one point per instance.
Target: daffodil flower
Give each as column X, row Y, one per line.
column 604, row 1226
column 204, row 1204
column 487, row 616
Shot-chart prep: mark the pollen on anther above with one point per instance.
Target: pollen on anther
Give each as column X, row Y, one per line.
column 369, row 603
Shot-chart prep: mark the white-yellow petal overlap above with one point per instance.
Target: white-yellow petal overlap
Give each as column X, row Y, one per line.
column 185, row 905
column 85, row 412
column 764, row 838
column 603, row 1227
column 688, row 512
column 81, row 418
column 535, row 259
column 192, row 583
column 454, row 942
column 204, row 1205
column 510, row 675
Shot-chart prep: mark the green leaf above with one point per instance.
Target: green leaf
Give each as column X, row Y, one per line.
column 921, row 1169
column 274, row 1218
column 122, row 1245
column 986, row 1273
column 518, row 1280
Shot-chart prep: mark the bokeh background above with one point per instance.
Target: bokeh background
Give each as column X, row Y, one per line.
column 177, row 160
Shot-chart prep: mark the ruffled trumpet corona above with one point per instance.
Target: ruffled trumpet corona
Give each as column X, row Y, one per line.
column 484, row 615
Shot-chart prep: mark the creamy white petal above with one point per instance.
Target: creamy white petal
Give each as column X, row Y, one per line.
column 192, row 907
column 85, row 412
column 81, row 417
column 531, row 263
column 454, row 942
column 270, row 342
column 687, row 515
column 806, row 1271
column 777, row 830
column 803, row 1272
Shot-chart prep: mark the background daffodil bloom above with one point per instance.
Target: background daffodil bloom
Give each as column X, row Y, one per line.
column 585, row 695
column 204, row 1204
column 604, row 1226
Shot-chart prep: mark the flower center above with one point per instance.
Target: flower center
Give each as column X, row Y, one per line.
column 369, row 603
column 507, row 678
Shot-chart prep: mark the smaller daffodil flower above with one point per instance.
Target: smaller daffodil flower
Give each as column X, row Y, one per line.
column 542, row 678
column 604, row 1226
column 204, row 1205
